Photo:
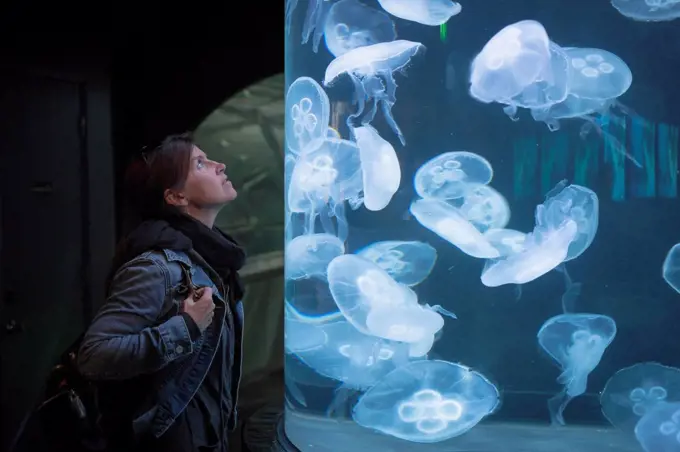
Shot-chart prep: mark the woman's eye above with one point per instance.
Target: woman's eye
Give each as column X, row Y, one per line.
column 199, row 164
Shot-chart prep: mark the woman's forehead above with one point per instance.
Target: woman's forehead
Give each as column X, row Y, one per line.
column 197, row 152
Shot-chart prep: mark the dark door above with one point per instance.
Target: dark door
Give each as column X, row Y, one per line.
column 40, row 284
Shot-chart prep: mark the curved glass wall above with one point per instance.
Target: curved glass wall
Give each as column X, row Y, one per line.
column 480, row 200
column 246, row 133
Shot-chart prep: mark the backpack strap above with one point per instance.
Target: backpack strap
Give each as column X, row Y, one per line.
column 187, row 285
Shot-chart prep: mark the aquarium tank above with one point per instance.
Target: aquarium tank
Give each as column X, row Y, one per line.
column 482, row 225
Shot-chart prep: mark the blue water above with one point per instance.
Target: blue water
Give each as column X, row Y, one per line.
column 424, row 331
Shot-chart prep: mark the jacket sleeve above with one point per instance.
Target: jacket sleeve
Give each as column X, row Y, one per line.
column 125, row 339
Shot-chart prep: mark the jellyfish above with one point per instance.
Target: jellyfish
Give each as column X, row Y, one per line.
column 576, row 342
column 506, row 241
column 412, row 323
column 484, row 207
column 543, row 250
column 322, row 180
column 309, row 255
column 513, row 59
column 308, row 113
column 445, row 176
column 659, row 429
column 351, row 24
column 300, row 336
column 359, row 285
column 378, row 305
column 634, row 391
column 574, row 202
column 408, row 263
column 670, row 269
column 371, row 71
column 648, row 10
column 380, row 165
column 357, row 360
column 427, row 402
column 426, row 12
column 597, row 74
column 550, row 88
column 449, row 223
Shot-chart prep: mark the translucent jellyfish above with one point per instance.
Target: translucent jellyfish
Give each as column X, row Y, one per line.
column 659, row 429
column 506, row 241
column 381, row 169
column 445, row 176
column 408, row 263
column 322, row 180
column 426, row 12
column 447, row 222
column 413, row 324
column 574, row 202
column 308, row 113
column 512, row 60
column 576, row 342
column 359, row 285
column 351, row 24
column 648, row 10
column 633, row 391
column 371, row 71
column 427, row 402
column 357, row 360
column 597, row 74
column 300, row 336
column 671, row 267
column 309, row 255
column 484, row 207
column 377, row 305
column 551, row 87
column 543, row 251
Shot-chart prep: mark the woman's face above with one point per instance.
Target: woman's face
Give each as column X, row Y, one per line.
column 207, row 185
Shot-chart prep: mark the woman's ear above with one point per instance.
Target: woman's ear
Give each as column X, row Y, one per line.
column 175, row 198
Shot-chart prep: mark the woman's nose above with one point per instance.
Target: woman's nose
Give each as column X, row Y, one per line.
column 220, row 168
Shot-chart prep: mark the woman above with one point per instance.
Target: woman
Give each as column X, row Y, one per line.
column 165, row 348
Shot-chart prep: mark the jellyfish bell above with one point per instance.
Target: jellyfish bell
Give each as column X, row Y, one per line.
column 351, row 24
column 426, row 12
column 597, row 73
column 446, row 175
column 633, row 391
column 380, row 168
column 576, row 342
column 446, row 221
column 659, row 429
column 484, row 207
column 309, row 255
column 371, row 70
column 513, row 59
column 307, row 115
column 407, row 262
column 358, row 285
column 427, row 401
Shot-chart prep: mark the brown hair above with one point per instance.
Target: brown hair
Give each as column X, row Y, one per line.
column 149, row 175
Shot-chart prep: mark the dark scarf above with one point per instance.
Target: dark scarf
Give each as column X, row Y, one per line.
column 182, row 233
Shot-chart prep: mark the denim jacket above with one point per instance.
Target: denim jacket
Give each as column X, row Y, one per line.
column 138, row 333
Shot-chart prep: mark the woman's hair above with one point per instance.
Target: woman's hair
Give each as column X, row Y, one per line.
column 150, row 174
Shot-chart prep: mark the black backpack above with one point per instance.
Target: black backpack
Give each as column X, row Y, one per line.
column 69, row 413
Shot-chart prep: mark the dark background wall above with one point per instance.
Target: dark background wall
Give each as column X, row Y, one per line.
column 82, row 89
